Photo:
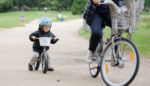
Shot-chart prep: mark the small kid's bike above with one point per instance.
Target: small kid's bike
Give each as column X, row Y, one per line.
column 43, row 58
column 119, row 60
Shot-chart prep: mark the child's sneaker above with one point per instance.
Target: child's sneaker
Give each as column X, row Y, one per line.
column 30, row 67
column 89, row 57
column 51, row 69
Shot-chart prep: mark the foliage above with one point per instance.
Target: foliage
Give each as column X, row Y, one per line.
column 5, row 5
column 78, row 6
column 147, row 5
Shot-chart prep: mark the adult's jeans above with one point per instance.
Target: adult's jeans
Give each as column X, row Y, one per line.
column 96, row 29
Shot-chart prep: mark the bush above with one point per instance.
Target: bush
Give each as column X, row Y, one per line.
column 78, row 6
column 15, row 8
column 144, row 22
column 26, row 8
column 147, row 6
column 6, row 5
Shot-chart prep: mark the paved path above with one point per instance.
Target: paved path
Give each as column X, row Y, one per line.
column 67, row 57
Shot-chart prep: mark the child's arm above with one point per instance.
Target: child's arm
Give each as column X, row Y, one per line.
column 54, row 39
column 33, row 36
column 52, row 35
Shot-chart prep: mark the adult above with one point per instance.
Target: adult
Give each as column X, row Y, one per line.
column 95, row 15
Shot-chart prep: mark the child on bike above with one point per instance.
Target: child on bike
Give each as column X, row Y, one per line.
column 43, row 31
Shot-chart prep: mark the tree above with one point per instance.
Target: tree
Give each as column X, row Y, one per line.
column 5, row 5
column 139, row 7
column 63, row 4
column 147, row 5
column 78, row 6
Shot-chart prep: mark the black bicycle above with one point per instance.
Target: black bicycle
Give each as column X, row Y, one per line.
column 43, row 58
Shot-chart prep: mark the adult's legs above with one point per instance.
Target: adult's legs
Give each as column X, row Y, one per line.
column 96, row 35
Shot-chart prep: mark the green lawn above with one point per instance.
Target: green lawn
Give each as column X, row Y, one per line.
column 141, row 37
column 12, row 19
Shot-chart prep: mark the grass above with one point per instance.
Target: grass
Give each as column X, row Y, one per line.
column 12, row 19
column 141, row 37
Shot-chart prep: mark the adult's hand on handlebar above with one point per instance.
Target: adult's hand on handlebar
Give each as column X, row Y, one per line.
column 97, row 2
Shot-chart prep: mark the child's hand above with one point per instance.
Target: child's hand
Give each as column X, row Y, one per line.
column 34, row 38
column 54, row 40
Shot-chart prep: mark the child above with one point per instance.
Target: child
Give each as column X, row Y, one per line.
column 43, row 31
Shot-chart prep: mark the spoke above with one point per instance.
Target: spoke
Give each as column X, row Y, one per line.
column 107, row 60
column 123, row 50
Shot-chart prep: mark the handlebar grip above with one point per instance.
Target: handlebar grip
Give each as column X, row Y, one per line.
column 57, row 39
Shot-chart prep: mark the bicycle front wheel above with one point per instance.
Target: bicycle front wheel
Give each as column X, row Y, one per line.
column 45, row 63
column 126, row 68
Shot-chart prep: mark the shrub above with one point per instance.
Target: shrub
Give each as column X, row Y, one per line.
column 78, row 6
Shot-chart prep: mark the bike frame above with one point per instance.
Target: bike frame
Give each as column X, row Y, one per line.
column 41, row 54
column 115, row 33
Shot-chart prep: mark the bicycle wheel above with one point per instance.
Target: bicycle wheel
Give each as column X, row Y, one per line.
column 36, row 65
column 45, row 63
column 124, row 72
column 94, row 69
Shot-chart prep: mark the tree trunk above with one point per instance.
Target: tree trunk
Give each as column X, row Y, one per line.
column 135, row 7
column 139, row 8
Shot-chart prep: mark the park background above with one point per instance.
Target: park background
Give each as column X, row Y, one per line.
column 19, row 18
column 11, row 12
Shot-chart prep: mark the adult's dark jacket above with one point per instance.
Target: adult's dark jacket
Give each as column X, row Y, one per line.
column 40, row 33
column 91, row 9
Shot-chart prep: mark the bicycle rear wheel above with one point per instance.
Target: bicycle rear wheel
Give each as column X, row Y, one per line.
column 94, row 69
column 126, row 68
column 37, row 64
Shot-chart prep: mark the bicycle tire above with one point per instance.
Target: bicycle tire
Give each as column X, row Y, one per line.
column 36, row 65
column 95, row 73
column 107, row 82
column 45, row 63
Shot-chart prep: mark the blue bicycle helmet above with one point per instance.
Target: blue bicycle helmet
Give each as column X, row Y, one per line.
column 45, row 21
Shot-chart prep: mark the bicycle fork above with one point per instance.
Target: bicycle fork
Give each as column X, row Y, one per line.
column 113, row 60
column 116, row 59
